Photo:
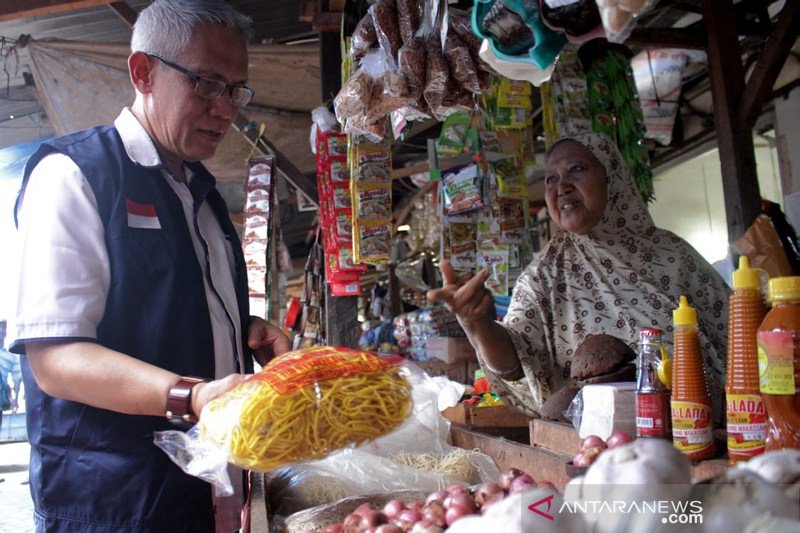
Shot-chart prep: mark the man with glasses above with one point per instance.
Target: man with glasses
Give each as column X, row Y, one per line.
column 132, row 308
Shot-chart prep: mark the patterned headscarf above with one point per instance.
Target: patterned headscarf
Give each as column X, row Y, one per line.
column 623, row 275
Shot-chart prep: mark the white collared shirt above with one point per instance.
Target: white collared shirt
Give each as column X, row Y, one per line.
column 64, row 271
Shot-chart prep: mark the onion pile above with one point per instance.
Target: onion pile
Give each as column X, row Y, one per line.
column 439, row 510
column 593, row 445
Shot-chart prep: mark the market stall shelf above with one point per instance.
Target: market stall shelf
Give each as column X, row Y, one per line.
column 557, row 437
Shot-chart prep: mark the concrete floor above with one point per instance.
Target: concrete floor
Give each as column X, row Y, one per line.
column 16, row 507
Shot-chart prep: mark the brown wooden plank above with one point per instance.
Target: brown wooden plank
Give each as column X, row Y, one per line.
column 539, row 463
column 557, row 437
column 17, row 9
column 486, row 417
column 735, row 142
column 125, row 12
column 770, row 62
column 667, row 38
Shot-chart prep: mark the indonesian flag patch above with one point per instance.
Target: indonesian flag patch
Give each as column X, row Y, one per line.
column 141, row 215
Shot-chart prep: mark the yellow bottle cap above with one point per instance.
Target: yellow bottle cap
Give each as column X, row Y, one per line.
column 684, row 315
column 745, row 277
column 784, row 289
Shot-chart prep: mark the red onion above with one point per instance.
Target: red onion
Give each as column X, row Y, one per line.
column 335, row 528
column 508, row 476
column 426, row 527
column 434, row 513
column 454, row 513
column 352, row 523
column 372, row 519
column 415, row 505
column 521, row 484
column 361, row 509
column 593, row 441
column 410, row 515
column 393, row 508
column 458, row 498
column 388, row 528
column 438, row 495
column 493, row 499
column 618, row 438
column 486, row 491
column 586, row 457
column 457, row 487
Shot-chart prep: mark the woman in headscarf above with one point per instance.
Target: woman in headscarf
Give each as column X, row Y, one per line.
column 607, row 269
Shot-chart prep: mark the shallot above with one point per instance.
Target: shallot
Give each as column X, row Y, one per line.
column 618, row 438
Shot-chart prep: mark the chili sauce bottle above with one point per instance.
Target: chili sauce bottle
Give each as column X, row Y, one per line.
column 779, row 364
column 692, row 429
column 653, row 418
column 746, row 417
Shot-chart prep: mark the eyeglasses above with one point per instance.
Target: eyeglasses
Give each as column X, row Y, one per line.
column 210, row 88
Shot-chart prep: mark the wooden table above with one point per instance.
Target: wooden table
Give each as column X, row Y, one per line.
column 554, row 445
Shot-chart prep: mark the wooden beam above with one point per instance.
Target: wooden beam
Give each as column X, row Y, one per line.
column 330, row 64
column 667, row 38
column 341, row 320
column 770, row 62
column 125, row 12
column 17, row 9
column 735, row 141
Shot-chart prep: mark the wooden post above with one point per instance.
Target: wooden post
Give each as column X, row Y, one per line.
column 735, row 140
column 341, row 320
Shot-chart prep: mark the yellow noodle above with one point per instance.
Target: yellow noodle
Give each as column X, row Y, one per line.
column 274, row 429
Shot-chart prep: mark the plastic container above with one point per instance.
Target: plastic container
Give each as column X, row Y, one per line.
column 653, row 418
column 746, row 417
column 779, row 364
column 692, row 430
column 540, row 46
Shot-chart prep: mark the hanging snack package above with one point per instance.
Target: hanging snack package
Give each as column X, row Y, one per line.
column 374, row 242
column 618, row 16
column 384, row 18
column 453, row 136
column 512, row 220
column 463, row 245
column 303, row 405
column 373, row 202
column 495, row 260
column 409, row 14
column 411, row 64
column 462, row 189
column 363, row 38
column 510, row 180
column 372, row 164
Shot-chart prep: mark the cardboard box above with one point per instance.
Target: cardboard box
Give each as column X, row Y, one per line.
column 461, row 371
column 450, row 349
column 499, row 416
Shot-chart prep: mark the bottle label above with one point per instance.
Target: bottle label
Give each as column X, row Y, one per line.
column 691, row 427
column 652, row 415
column 747, row 424
column 776, row 362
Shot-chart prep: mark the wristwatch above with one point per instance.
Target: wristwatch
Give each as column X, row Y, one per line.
column 179, row 402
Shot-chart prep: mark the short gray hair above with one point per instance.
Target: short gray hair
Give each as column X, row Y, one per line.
column 165, row 27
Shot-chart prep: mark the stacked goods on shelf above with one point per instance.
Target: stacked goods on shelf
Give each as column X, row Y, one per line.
column 258, row 232
column 371, row 201
column 617, row 112
column 342, row 272
column 412, row 330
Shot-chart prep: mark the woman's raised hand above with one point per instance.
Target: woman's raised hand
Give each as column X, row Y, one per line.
column 469, row 300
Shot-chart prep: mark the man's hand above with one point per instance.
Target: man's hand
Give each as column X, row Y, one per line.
column 266, row 340
column 202, row 393
column 470, row 301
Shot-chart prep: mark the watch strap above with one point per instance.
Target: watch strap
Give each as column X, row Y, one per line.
column 179, row 401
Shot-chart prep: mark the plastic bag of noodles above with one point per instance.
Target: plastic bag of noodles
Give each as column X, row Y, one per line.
column 303, row 405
